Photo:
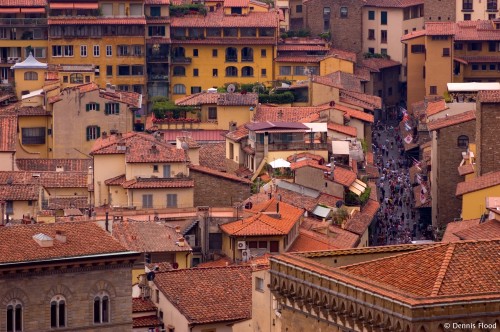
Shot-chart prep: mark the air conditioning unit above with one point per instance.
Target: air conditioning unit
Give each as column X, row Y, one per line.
column 242, row 245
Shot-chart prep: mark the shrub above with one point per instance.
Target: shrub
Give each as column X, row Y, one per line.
column 279, row 98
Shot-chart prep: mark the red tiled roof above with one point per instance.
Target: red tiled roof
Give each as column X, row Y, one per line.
column 307, row 163
column 157, row 2
column 288, row 113
column 479, row 58
column 305, row 155
column 213, row 156
column 236, row 3
column 393, row 3
column 222, row 262
column 158, row 183
column 146, row 321
column 228, row 41
column 348, row 130
column 291, row 48
column 344, row 176
column 490, row 96
column 96, row 21
column 457, row 226
column 303, row 58
column 298, row 200
column 237, row 135
column 116, row 181
column 142, row 305
column 451, row 120
column 148, row 236
column 359, row 223
column 340, row 80
column 488, row 230
column 376, row 64
column 19, row 192
column 354, row 113
column 47, row 179
column 310, row 240
column 217, row 173
column 481, row 182
column 221, row 99
column 201, row 136
column 20, row 110
column 23, row 3
column 70, row 165
column 360, row 99
column 217, row 19
column 465, row 169
column 413, row 34
column 70, row 202
column 435, row 107
column 440, row 28
column 8, row 133
column 200, row 301
column 83, row 239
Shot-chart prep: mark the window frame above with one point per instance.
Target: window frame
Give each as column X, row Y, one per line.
column 96, row 51
column 83, row 51
column 55, row 303
column 102, row 298
column 37, row 135
column 93, row 132
column 463, row 141
column 148, row 199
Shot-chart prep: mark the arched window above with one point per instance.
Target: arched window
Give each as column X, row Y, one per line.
column 30, row 76
column 246, row 54
column 101, row 308
column 76, row 78
column 179, row 71
column 179, row 89
column 231, row 54
column 231, row 71
column 179, row 52
column 14, row 316
column 463, row 141
column 58, row 311
column 246, row 71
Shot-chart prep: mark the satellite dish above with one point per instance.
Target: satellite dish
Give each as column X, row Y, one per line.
column 339, row 204
column 150, row 276
column 175, row 265
column 248, row 205
column 184, row 146
column 231, row 88
column 10, row 181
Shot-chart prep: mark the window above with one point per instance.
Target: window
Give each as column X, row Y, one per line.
column 14, row 316
column 259, row 284
column 492, row 46
column 417, row 48
column 166, row 171
column 147, row 201
column 371, row 15
column 39, row 52
column 97, row 70
column 343, row 12
column 172, row 200
column 97, row 51
column 383, row 18
column 195, row 72
column 231, row 54
column 326, row 24
column 179, row 89
column 474, row 46
column 389, row 92
column 215, row 72
column 76, row 78
column 285, row 70
column 101, row 305
column 248, row 32
column 371, row 34
column 371, row 50
column 135, row 9
column 274, row 246
column 491, row 16
column 109, row 50
column 179, row 71
column 263, row 72
column 109, row 70
column 236, row 10
column 231, row 151
column 57, row 50
column 446, row 51
column 299, row 70
column 112, row 108
column 155, row 11
column 156, row 31
column 212, row 113
column 458, row 46
column 467, row 5
column 467, row 17
column 433, row 90
column 247, row 71
column 298, row 9
column 65, row 79
column 35, row 135
column 93, row 133
column 383, row 51
column 30, row 76
column 83, row 50
column 137, row 70
column 195, row 89
column 155, row 168
column 214, row 53
column 123, row 70
column 92, row 107
column 263, row 53
column 326, row 12
column 247, row 54
column 68, row 50
column 475, row 66
column 214, row 241
column 463, row 141
column 58, row 311
column 493, row 66
column 491, row 5
column 484, row 66
column 383, row 36
column 231, row 71
column 195, row 52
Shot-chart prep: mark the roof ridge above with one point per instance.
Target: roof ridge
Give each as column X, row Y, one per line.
column 443, row 269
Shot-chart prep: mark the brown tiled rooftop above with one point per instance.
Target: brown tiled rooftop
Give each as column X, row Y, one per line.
column 487, row 230
column 116, row 180
column 360, row 221
column 490, row 96
column 8, row 133
column 200, row 302
column 344, row 176
column 46, row 179
column 217, row 19
column 360, row 99
column 157, row 2
column 23, row 3
column 377, row 64
column 148, row 237
column 393, row 3
column 83, row 239
column 307, row 163
column 451, row 120
column 19, row 192
column 305, row 155
column 142, row 305
column 224, row 175
column 146, row 321
column 340, row 80
column 465, row 169
column 481, row 182
column 435, row 107
column 288, row 113
column 221, row 262
column 96, row 21
column 158, row 183
column 302, row 47
column 457, row 226
column 354, row 113
column 222, row 99
column 71, row 165
column 213, row 155
column 236, row 3
column 78, row 202
column 347, row 130
column 237, row 135
column 314, row 238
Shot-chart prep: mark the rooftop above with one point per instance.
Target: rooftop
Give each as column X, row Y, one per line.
column 288, row 113
column 213, row 156
column 393, row 3
column 158, row 183
column 457, row 226
column 220, row 99
column 217, row 19
column 360, row 221
column 451, row 120
column 71, row 165
column 48, row 179
column 487, row 230
column 481, row 182
column 347, row 130
column 8, row 133
column 217, row 173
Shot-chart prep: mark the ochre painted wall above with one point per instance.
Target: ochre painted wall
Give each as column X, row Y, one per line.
column 474, row 204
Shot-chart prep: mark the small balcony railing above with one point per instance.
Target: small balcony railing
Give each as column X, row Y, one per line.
column 23, row 21
column 181, row 60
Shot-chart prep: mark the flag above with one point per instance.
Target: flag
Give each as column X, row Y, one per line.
column 403, row 110
column 408, row 139
column 419, row 180
column 406, row 117
column 407, row 126
column 422, row 198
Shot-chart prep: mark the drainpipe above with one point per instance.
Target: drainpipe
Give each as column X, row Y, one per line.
column 107, row 221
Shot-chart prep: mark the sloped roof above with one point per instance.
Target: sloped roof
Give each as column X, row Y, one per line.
column 142, row 305
column 47, row 179
column 481, row 182
column 312, row 240
column 359, row 99
column 451, row 120
column 158, row 183
column 200, row 301
column 216, row 173
column 360, row 221
column 457, row 226
column 340, row 79
column 393, row 3
column 43, row 164
column 19, row 192
column 237, row 135
column 377, row 64
column 435, row 107
column 347, row 130
column 307, row 162
column 8, row 133
column 221, row 99
column 484, row 231
column 489, row 96
column 289, row 113
column 213, row 156
column 217, row 19
column 23, row 3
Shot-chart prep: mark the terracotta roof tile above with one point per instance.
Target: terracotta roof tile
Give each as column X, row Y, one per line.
column 378, row 64
column 157, row 183
column 157, row 2
column 309, row 163
column 19, row 192
column 488, row 230
column 236, row 3
column 413, row 34
column 71, row 165
column 47, row 179
column 200, row 302
column 435, row 107
column 77, row 202
column 20, row 110
column 288, row 113
column 457, row 226
column 160, row 266
column 191, row 142
column 340, row 80
column 315, row 238
column 116, row 180
column 393, row 3
column 465, row 169
column 23, row 3
column 96, row 21
column 478, row 58
column 8, row 133
column 303, row 47
column 491, row 96
column 222, row 262
column 83, row 239
column 201, row 136
column 146, row 321
column 350, row 112
column 361, row 100
column 360, row 222
column 228, row 40
column 237, row 135
column 213, row 156
column 217, row 19
column 451, row 120
column 222, row 99
column 484, row 181
column 348, row 130
column 344, row 176
column 148, row 237
column 299, row 59
column 217, row 173
column 304, row 156
column 298, row 200
column 142, row 305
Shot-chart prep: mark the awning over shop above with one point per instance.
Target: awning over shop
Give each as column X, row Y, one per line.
column 61, row 6
column 10, row 10
column 32, row 10
column 86, row 5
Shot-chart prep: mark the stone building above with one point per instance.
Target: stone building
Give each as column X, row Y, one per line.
column 414, row 288
column 487, row 124
column 67, row 276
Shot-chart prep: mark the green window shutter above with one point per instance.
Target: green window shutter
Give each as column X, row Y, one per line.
column 87, row 107
column 117, row 108
column 98, row 107
column 106, row 109
column 88, row 133
column 98, row 132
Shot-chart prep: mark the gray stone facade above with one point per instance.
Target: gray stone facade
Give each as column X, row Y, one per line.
column 439, row 11
column 487, row 147
column 211, row 190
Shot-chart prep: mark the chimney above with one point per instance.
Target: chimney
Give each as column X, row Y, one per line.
column 177, row 229
column 277, row 207
column 61, row 236
column 154, row 148
column 43, row 240
column 104, row 135
column 181, row 242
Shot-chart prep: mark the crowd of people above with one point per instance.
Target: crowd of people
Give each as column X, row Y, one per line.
column 397, row 219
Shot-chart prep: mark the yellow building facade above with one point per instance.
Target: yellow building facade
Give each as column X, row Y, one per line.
column 474, row 203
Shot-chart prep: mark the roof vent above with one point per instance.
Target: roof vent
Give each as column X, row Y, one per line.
column 43, row 240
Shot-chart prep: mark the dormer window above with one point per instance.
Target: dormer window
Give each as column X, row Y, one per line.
column 236, row 11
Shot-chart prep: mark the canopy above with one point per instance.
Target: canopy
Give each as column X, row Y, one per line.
column 279, row 163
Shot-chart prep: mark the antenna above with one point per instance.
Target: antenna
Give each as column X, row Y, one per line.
column 231, row 88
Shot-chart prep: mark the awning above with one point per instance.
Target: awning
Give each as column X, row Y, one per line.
column 86, row 6
column 32, row 10
column 317, row 127
column 321, row 211
column 9, row 10
column 358, row 187
column 279, row 163
column 61, row 6
column 340, row 147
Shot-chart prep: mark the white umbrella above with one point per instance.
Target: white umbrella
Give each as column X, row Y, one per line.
column 279, row 163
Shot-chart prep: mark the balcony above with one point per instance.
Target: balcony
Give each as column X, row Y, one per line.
column 181, row 60
column 19, row 22
column 293, row 146
column 246, row 58
column 231, row 59
column 158, row 77
column 467, row 7
column 158, row 57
